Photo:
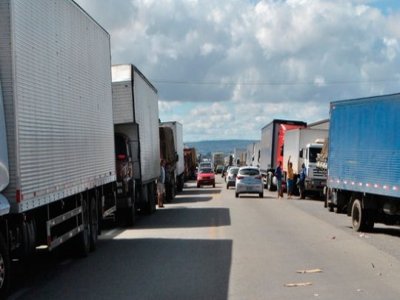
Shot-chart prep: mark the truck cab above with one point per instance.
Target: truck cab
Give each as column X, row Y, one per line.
column 315, row 177
column 125, row 180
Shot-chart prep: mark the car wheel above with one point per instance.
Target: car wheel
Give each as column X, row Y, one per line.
column 198, row 185
column 227, row 186
column 236, row 195
column 261, row 195
column 214, row 185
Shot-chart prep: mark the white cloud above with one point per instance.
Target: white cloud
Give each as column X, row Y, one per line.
column 264, row 59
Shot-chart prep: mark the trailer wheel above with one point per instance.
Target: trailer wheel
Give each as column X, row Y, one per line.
column 93, row 223
column 362, row 219
column 269, row 184
column 130, row 214
column 4, row 268
column 83, row 238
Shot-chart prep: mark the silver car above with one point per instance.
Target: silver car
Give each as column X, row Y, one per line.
column 231, row 176
column 248, row 181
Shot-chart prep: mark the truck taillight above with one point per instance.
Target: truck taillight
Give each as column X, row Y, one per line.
column 121, row 157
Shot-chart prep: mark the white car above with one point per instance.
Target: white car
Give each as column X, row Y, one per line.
column 249, row 181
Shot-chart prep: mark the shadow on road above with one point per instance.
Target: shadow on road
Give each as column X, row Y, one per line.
column 200, row 191
column 136, row 269
column 393, row 231
column 185, row 218
column 188, row 199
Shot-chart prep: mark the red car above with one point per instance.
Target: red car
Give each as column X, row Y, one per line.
column 205, row 176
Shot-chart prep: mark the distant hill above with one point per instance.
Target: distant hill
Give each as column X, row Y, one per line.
column 226, row 146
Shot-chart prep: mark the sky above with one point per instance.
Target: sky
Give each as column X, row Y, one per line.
column 225, row 69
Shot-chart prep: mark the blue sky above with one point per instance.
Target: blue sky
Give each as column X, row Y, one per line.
column 224, row 69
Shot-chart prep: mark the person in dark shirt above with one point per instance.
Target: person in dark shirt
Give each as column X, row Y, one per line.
column 302, row 179
column 278, row 175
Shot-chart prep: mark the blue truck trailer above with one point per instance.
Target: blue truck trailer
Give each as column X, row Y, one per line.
column 364, row 160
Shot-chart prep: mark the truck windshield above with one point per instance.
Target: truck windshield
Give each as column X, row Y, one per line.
column 313, row 154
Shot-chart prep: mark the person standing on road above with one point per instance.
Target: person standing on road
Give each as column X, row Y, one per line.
column 302, row 179
column 278, row 175
column 290, row 178
column 160, row 184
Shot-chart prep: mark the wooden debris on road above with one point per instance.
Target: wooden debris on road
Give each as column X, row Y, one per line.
column 297, row 284
column 309, row 271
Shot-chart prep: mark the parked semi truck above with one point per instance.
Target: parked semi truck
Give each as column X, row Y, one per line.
column 178, row 167
column 271, row 152
column 239, row 157
column 303, row 145
column 57, row 156
column 364, row 160
column 257, row 154
column 218, row 159
column 190, row 163
column 135, row 115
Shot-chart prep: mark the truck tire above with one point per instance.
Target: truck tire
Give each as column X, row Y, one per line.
column 93, row 223
column 180, row 183
column 361, row 219
column 130, row 211
column 269, row 183
column 148, row 192
column 83, row 238
column 4, row 268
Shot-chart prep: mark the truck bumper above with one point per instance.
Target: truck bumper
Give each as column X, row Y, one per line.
column 316, row 185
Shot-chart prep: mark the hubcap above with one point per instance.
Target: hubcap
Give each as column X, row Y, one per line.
column 2, row 271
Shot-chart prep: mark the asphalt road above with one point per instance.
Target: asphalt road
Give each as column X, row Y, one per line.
column 210, row 245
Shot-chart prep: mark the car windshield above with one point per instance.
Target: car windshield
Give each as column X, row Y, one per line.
column 250, row 172
column 205, row 170
column 233, row 170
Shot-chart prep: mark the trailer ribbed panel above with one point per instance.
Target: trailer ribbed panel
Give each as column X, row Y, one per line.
column 364, row 148
column 122, row 94
column 7, row 86
column 146, row 115
column 62, row 98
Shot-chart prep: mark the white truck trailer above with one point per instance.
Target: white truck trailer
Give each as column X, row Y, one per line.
column 179, row 166
column 257, row 154
column 56, row 129
column 135, row 111
column 303, row 145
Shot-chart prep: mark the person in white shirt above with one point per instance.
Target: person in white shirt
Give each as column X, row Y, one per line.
column 160, row 184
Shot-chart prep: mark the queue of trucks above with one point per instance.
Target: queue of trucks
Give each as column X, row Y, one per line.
column 363, row 160
column 80, row 139
column 351, row 160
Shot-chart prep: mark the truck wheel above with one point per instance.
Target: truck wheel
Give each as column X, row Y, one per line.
column 4, row 268
column 130, row 214
column 269, row 184
column 236, row 195
column 94, row 223
column 83, row 238
column 151, row 198
column 362, row 219
column 261, row 195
